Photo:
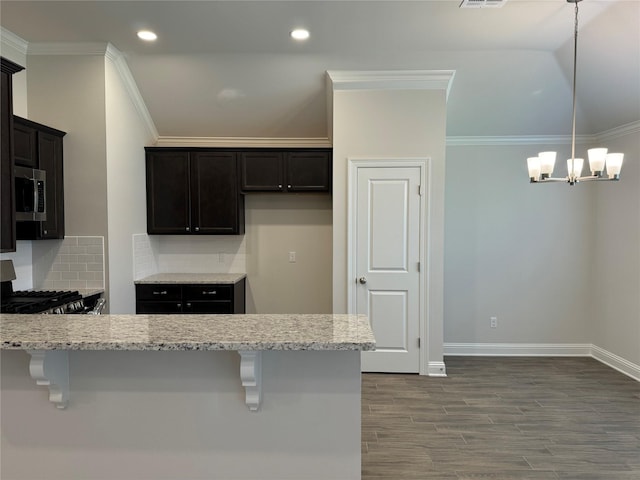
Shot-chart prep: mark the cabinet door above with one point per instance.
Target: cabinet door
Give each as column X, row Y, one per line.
column 159, row 307
column 168, row 205
column 24, row 145
column 50, row 160
column 308, row 172
column 7, row 205
column 261, row 171
column 208, row 307
column 215, row 200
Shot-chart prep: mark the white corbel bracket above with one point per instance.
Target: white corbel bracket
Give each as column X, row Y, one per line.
column 251, row 376
column 51, row 368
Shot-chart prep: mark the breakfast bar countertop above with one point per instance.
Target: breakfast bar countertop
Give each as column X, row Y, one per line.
column 186, row 332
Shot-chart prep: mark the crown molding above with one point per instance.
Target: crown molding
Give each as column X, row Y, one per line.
column 632, row 128
column 12, row 40
column 264, row 142
column 67, row 48
column 460, row 141
column 391, row 79
column 117, row 58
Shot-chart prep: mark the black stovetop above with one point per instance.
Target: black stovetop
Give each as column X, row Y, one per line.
column 27, row 301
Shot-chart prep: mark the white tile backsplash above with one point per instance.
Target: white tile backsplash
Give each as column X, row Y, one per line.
column 77, row 264
column 144, row 261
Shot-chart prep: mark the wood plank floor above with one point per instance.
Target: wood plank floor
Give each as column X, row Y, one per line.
column 503, row 418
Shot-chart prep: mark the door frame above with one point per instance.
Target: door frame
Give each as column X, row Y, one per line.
column 424, row 163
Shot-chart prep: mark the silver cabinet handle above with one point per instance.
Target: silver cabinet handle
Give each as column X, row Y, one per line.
column 362, row 280
column 161, row 292
column 188, row 305
column 197, row 229
column 288, row 186
column 187, row 229
column 211, row 292
column 179, row 305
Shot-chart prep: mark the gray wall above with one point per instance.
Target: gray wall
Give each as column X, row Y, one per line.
column 615, row 320
column 556, row 264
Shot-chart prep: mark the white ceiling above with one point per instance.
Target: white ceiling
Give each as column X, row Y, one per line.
column 229, row 68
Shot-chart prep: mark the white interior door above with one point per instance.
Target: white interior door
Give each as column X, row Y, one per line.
column 387, row 269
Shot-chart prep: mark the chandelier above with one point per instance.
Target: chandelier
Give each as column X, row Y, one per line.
column 541, row 167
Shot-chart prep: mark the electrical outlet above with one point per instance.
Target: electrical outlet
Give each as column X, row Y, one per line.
column 292, row 257
column 494, row 322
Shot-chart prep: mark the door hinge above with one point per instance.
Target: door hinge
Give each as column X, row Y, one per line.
column 418, row 342
column 420, row 190
column 418, row 266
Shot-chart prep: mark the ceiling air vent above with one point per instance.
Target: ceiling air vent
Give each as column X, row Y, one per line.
column 482, row 3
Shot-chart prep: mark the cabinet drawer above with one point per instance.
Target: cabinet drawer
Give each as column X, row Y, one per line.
column 208, row 292
column 224, row 306
column 158, row 292
column 159, row 307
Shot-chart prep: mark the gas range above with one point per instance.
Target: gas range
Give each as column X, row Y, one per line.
column 27, row 301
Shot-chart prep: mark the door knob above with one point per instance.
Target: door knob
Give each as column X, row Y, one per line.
column 362, row 280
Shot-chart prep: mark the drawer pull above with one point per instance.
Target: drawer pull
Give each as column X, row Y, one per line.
column 188, row 305
column 161, row 292
column 179, row 305
column 210, row 292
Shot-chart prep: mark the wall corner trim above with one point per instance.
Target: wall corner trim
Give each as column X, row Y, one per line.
column 391, row 79
column 632, row 128
column 67, row 48
column 616, row 362
column 234, row 142
column 115, row 56
column 10, row 39
column 437, row 369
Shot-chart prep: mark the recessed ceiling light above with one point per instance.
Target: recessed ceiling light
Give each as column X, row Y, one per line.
column 147, row 35
column 300, row 34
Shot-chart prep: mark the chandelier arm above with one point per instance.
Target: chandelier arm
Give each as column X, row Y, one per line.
column 552, row 179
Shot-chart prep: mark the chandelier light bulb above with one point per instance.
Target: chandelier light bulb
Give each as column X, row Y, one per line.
column 533, row 163
column 614, row 164
column 547, row 162
column 575, row 167
column 597, row 158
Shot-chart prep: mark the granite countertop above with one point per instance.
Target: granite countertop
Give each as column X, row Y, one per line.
column 186, row 332
column 88, row 292
column 186, row 278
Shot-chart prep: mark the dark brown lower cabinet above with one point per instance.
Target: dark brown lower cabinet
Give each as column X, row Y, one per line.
column 190, row 298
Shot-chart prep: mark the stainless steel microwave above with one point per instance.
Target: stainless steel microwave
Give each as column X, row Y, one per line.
column 30, row 191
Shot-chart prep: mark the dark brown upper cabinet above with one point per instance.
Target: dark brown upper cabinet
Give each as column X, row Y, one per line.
column 285, row 171
column 39, row 146
column 193, row 191
column 7, row 201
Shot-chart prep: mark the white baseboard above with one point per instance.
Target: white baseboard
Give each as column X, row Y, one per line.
column 437, row 369
column 614, row 361
column 543, row 350
column 518, row 349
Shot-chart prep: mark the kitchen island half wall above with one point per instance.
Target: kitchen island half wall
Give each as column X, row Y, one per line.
column 166, row 397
